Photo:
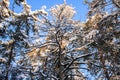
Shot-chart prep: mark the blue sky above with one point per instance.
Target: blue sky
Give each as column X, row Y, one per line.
column 79, row 6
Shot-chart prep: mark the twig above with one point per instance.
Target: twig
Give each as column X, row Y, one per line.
column 84, row 55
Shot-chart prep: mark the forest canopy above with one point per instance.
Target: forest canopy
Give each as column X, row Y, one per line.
column 36, row 47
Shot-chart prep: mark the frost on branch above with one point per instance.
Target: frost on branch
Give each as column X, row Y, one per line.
column 63, row 11
column 7, row 13
column 4, row 5
column 3, row 60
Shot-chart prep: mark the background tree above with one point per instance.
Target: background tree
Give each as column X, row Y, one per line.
column 16, row 35
column 103, row 17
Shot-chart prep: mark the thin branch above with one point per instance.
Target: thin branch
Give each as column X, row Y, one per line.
column 81, row 56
